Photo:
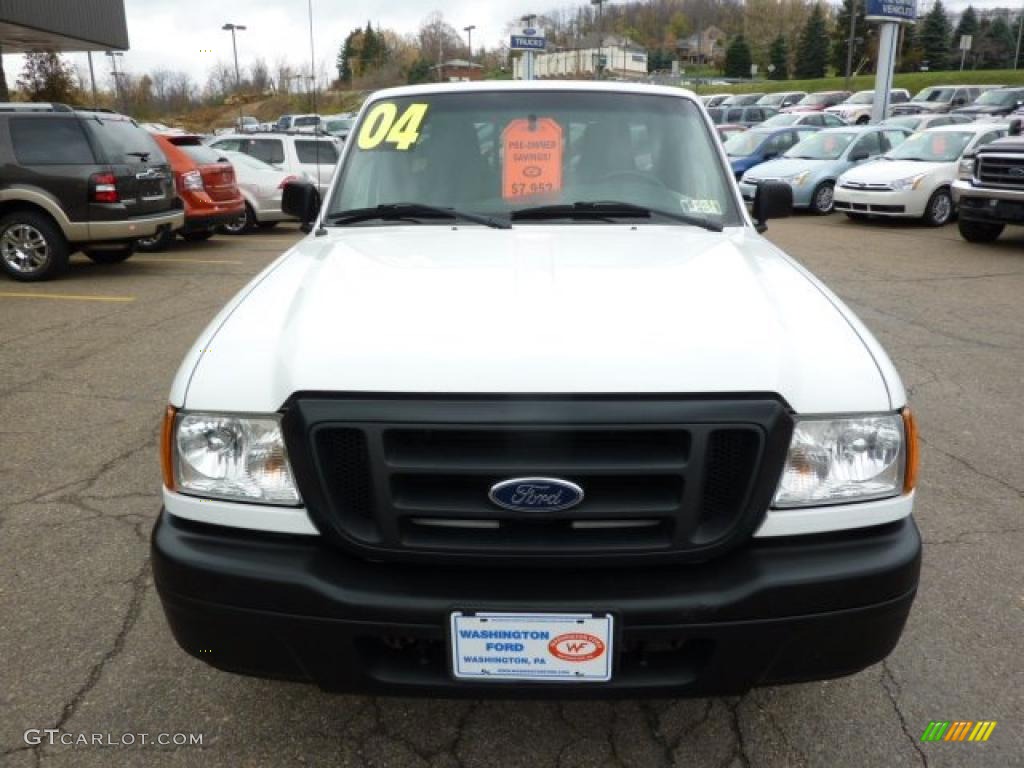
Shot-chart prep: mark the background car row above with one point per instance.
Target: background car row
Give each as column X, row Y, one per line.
column 867, row 171
column 965, row 103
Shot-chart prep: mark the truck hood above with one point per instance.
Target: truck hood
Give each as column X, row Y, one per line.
column 536, row 309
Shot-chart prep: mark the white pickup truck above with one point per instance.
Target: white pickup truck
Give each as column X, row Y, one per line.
column 536, row 406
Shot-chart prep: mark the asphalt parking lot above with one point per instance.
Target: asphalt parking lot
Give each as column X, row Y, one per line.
column 85, row 366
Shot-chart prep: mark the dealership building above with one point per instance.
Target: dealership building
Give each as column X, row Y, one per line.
column 60, row 25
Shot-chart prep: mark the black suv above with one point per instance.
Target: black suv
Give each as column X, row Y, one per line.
column 77, row 180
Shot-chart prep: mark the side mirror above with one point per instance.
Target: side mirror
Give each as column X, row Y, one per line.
column 772, row 200
column 301, row 200
column 858, row 157
column 771, row 155
column 1015, row 127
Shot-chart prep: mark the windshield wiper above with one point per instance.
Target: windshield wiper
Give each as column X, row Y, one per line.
column 394, row 211
column 143, row 156
column 610, row 209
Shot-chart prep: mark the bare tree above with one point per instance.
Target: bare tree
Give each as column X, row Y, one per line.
column 283, row 74
column 438, row 39
column 259, row 75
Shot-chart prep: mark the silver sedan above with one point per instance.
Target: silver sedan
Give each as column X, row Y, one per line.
column 262, row 185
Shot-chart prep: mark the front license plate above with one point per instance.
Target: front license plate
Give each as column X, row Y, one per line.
column 558, row 647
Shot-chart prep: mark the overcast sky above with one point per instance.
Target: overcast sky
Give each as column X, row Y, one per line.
column 187, row 35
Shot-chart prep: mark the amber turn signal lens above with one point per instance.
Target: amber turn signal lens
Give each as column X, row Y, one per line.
column 913, row 451
column 166, row 442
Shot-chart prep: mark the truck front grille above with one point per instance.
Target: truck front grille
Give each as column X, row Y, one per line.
column 409, row 478
column 1001, row 170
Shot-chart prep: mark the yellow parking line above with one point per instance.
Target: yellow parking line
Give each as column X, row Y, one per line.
column 62, row 296
column 158, row 259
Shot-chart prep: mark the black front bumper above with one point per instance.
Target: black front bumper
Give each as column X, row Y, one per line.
column 774, row 611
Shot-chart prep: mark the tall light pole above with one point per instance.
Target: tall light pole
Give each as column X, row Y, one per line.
column 238, row 75
column 600, row 34
column 117, row 82
column 469, row 36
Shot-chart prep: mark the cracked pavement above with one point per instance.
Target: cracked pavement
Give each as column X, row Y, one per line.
column 85, row 648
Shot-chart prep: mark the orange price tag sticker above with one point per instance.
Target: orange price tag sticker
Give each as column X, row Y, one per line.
column 533, row 152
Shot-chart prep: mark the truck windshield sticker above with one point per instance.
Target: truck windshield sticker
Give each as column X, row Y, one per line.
column 707, row 207
column 384, row 128
column 532, row 152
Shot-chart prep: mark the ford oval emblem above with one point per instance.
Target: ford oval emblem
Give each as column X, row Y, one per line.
column 536, row 494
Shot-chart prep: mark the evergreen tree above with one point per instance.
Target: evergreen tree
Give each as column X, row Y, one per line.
column 779, row 57
column 910, row 56
column 968, row 25
column 47, row 77
column 348, row 56
column 738, row 58
column 934, row 37
column 812, row 52
column 841, row 34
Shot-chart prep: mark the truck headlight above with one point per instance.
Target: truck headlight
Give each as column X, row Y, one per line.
column 832, row 461
column 232, row 457
column 965, row 168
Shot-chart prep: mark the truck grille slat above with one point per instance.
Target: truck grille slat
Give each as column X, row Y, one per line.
column 1001, row 171
column 682, row 480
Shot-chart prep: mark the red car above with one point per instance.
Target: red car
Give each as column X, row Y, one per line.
column 206, row 184
column 816, row 102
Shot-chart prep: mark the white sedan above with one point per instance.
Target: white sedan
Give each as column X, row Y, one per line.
column 913, row 180
column 262, row 185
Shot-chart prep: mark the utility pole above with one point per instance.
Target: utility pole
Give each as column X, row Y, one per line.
column 238, row 75
column 117, row 78
column 849, row 43
column 92, row 80
column 469, row 36
column 600, row 35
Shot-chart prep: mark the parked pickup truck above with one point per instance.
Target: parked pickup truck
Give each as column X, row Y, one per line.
column 535, row 406
column 990, row 188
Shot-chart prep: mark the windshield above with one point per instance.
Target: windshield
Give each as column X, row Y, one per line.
column 304, row 121
column 121, row 139
column 744, row 144
column 772, row 99
column 933, row 146
column 826, row 145
column 998, row 98
column 934, row 94
column 338, row 125
column 199, row 152
column 864, row 97
column 910, row 122
column 814, row 99
column 781, row 120
column 247, row 161
column 494, row 153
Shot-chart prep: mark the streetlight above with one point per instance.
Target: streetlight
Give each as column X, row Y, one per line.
column 469, row 34
column 238, row 75
column 600, row 33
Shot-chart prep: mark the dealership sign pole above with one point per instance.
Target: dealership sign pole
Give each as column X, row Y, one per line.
column 529, row 41
column 890, row 14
